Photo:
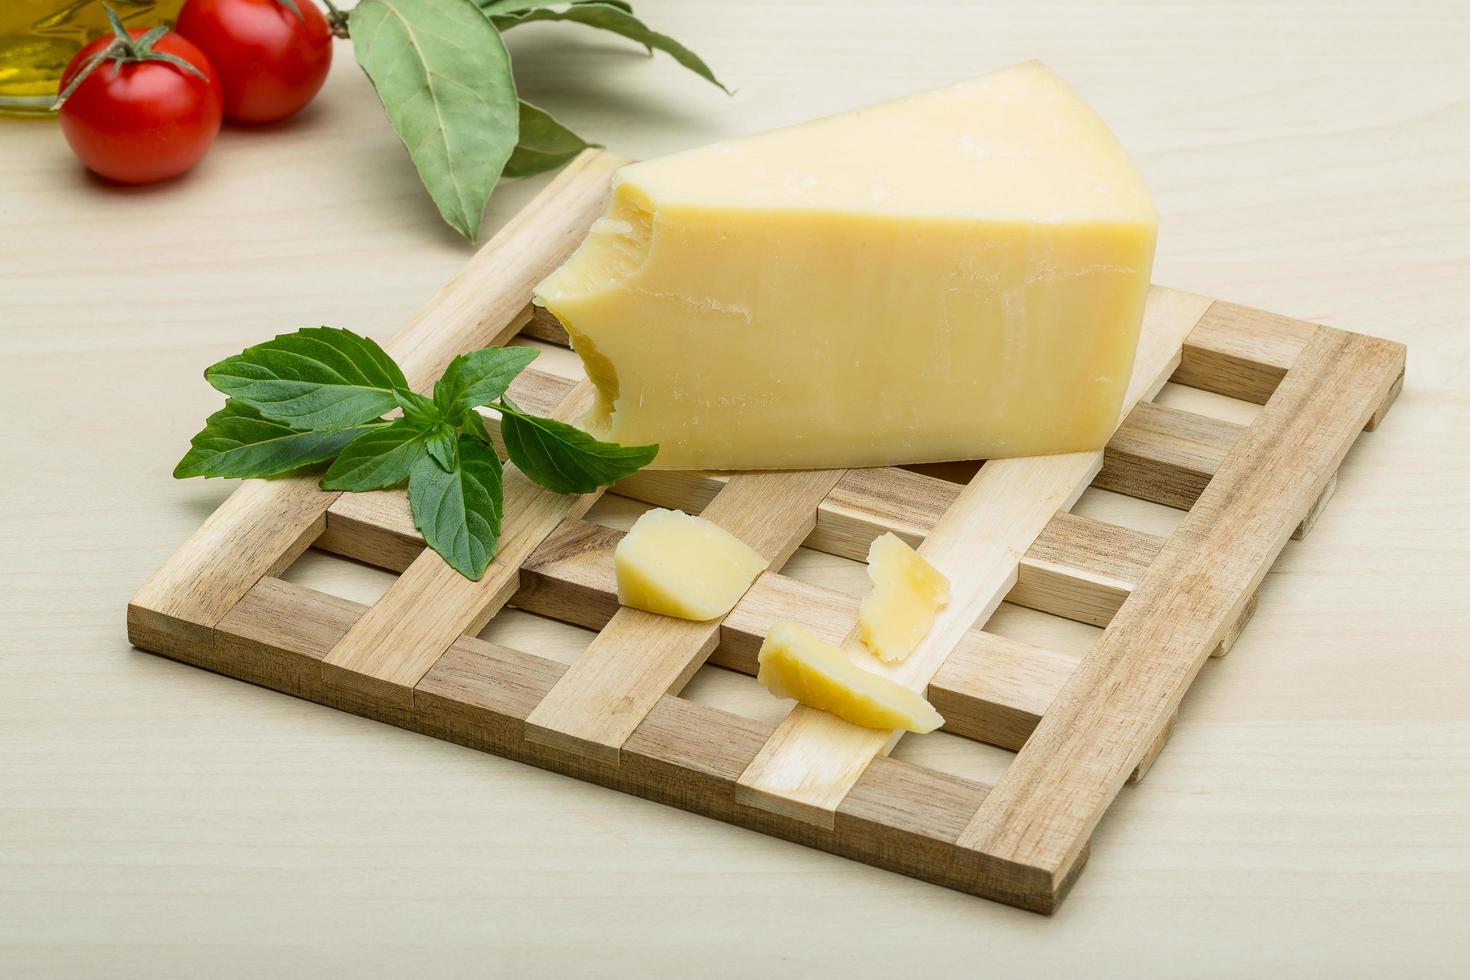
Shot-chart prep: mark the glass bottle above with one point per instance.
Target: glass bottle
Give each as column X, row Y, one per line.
column 39, row 37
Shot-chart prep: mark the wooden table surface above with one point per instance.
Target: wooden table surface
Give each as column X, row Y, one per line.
column 1309, row 818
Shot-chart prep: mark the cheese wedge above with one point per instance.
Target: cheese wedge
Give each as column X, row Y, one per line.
column 958, row 274
column 676, row 565
column 795, row 663
column 907, row 592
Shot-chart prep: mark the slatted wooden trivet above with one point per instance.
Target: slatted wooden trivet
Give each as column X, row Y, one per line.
column 615, row 716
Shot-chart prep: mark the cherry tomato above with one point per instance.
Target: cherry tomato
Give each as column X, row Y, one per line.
column 272, row 58
column 152, row 118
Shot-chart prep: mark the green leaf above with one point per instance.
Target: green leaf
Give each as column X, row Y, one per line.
column 441, row 445
column 318, row 378
column 459, row 511
column 443, row 75
column 607, row 17
column 419, row 411
column 474, row 425
column 562, row 457
column 478, row 378
column 237, row 441
column 496, row 8
column 380, row 458
column 545, row 144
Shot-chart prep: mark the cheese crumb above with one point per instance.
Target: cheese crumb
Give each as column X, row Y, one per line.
column 907, row 592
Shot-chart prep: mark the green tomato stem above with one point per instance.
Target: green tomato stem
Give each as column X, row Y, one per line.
column 337, row 20
column 125, row 49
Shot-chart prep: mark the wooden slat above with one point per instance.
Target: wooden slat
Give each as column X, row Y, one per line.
column 1165, row 455
column 536, row 391
column 995, row 689
column 864, row 504
column 571, row 577
column 1083, row 569
column 426, row 608
column 543, row 325
column 870, row 502
column 1241, row 352
column 375, row 527
column 639, row 657
column 1034, row 825
column 690, row 492
column 814, row 758
column 1388, row 400
column 1154, row 750
column 1320, row 506
column 265, row 524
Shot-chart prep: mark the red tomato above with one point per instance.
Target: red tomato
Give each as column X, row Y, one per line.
column 272, row 60
column 149, row 121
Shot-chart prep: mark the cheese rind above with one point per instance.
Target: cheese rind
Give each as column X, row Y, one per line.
column 795, row 663
column 907, row 592
column 676, row 565
column 956, row 275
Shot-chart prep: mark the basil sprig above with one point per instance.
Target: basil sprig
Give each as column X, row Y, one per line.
column 319, row 394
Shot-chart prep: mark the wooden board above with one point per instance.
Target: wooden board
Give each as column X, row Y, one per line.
column 1082, row 727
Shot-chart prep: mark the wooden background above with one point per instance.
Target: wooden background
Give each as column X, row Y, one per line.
column 1309, row 817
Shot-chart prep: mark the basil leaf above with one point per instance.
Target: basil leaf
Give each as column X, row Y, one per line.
column 318, row 378
column 562, row 457
column 459, row 511
column 419, row 411
column 478, row 378
column 443, row 76
column 237, row 441
column 474, row 425
column 608, row 17
column 544, row 144
column 441, row 446
column 377, row 459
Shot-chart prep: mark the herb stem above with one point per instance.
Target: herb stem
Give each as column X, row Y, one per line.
column 337, row 20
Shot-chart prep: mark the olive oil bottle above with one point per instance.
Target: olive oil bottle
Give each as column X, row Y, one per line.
column 39, row 37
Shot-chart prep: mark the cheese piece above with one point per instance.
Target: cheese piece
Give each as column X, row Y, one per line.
column 795, row 663
column 958, row 274
column 907, row 592
column 676, row 565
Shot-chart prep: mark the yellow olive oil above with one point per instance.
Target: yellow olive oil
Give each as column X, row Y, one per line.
column 39, row 37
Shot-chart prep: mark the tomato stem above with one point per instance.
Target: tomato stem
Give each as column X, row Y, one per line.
column 125, row 49
column 337, row 20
